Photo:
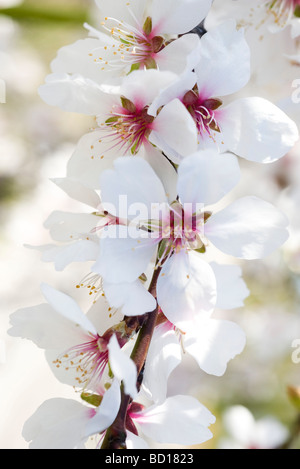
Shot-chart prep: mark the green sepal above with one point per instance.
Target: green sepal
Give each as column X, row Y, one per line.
column 147, row 28
column 157, row 43
column 206, row 216
column 135, row 67
column 201, row 250
column 150, row 63
column 128, row 105
column 297, row 11
column 92, row 399
column 212, row 104
column 111, row 120
column 143, row 278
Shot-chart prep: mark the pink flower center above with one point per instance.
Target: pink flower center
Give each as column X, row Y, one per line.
column 128, row 126
column 283, row 10
column 180, row 228
column 133, row 413
column 88, row 360
column 203, row 112
column 279, row 12
column 133, row 46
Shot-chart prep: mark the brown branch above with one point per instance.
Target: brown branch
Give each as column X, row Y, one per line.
column 115, row 437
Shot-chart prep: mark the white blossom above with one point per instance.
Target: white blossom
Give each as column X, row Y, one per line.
column 249, row 228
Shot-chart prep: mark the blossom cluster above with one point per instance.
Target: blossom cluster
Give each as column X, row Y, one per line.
column 156, row 172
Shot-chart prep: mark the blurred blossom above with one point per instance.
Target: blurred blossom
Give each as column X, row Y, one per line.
column 247, row 433
column 10, row 3
column 36, row 142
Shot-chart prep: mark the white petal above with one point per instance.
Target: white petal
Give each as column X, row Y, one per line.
column 163, row 357
column 231, row 288
column 45, row 327
column 132, row 298
column 66, row 227
column 123, row 258
column 207, row 176
column 130, row 12
column 164, row 170
column 223, row 49
column 90, row 159
column 240, row 424
column 214, row 343
column 123, row 368
column 257, row 130
column 249, row 228
column 134, row 182
column 186, row 288
column 180, row 55
column 57, row 424
column 269, row 433
column 78, row 191
column 78, row 58
column 143, row 86
column 176, row 90
column 179, row 420
column 106, row 412
column 72, row 93
column 135, row 442
column 67, row 307
column 178, row 16
column 100, row 315
column 62, row 256
column 175, row 131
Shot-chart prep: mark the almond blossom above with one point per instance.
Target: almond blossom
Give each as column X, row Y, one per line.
column 249, row 228
column 69, row 424
column 124, row 123
column 77, row 354
column 251, row 127
column 245, row 432
column 135, row 35
column 170, row 122
column 273, row 15
column 211, row 342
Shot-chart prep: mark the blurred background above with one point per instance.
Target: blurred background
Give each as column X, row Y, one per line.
column 36, row 141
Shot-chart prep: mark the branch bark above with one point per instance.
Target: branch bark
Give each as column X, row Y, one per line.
column 115, row 437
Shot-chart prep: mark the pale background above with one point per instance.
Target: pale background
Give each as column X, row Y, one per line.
column 35, row 144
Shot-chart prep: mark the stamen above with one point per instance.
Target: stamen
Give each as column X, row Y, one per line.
column 93, row 283
column 127, row 128
column 88, row 360
column 203, row 112
column 133, row 46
